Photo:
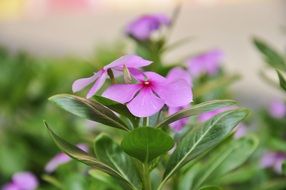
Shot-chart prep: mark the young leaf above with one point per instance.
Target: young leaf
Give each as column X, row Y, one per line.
column 202, row 139
column 282, row 80
column 78, row 154
column 196, row 110
column 146, row 143
column 272, row 57
column 112, row 154
column 88, row 109
column 227, row 158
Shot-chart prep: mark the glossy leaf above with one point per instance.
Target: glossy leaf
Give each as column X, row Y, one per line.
column 112, row 154
column 272, row 57
column 227, row 158
column 103, row 178
column 117, row 107
column 196, row 110
column 88, row 109
column 282, row 80
column 78, row 154
column 146, row 143
column 202, row 139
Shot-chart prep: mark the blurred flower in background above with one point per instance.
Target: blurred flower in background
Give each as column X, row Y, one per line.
column 22, row 181
column 277, row 109
column 273, row 160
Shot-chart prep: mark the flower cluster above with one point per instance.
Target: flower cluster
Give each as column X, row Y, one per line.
column 205, row 63
column 150, row 91
column 143, row 27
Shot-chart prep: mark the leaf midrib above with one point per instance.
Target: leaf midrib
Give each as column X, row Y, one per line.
column 189, row 152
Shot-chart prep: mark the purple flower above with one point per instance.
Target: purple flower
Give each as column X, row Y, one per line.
column 273, row 160
column 143, row 27
column 150, row 94
column 173, row 75
column 131, row 62
column 277, row 109
column 208, row 115
column 60, row 159
column 205, row 63
column 22, row 181
column 179, row 124
column 241, row 131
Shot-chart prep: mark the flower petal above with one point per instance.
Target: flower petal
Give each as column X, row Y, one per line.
column 179, row 124
column 130, row 61
column 277, row 109
column 176, row 93
column 143, row 27
column 80, row 84
column 121, row 92
column 25, row 180
column 179, row 73
column 56, row 161
column 11, row 186
column 145, row 103
column 97, row 85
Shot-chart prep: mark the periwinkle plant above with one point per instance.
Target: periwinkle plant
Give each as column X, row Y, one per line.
column 143, row 105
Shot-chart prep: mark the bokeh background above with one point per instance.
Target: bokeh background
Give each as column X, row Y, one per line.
column 65, row 27
column 46, row 44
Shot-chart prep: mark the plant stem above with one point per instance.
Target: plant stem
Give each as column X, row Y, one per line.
column 145, row 121
column 146, row 177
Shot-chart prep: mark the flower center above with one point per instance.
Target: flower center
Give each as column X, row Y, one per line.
column 146, row 83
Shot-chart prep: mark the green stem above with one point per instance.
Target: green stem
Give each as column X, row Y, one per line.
column 145, row 121
column 146, row 177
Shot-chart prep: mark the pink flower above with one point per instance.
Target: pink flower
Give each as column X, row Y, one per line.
column 22, row 181
column 206, row 63
column 150, row 94
column 277, row 109
column 179, row 124
column 273, row 160
column 241, row 131
column 60, row 159
column 176, row 74
column 132, row 62
column 143, row 27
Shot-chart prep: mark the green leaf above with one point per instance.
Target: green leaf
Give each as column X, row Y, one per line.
column 272, row 57
column 282, row 80
column 112, row 154
column 196, row 110
column 104, row 179
column 202, row 139
column 88, row 109
column 146, row 143
column 53, row 181
column 118, row 108
column 284, row 167
column 78, row 154
column 211, row 188
column 228, row 157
